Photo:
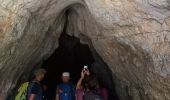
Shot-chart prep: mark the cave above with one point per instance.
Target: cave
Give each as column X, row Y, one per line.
column 71, row 56
column 127, row 41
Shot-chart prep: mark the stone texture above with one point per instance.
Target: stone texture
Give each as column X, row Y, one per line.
column 131, row 36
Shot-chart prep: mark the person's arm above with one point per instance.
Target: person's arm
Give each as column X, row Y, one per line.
column 78, row 86
column 57, row 96
column 34, row 91
column 32, row 97
column 79, row 83
column 58, row 91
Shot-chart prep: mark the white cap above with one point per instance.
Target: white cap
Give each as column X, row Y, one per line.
column 66, row 74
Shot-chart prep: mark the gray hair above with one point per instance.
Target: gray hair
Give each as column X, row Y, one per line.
column 40, row 71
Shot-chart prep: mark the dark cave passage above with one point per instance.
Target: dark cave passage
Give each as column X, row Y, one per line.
column 70, row 56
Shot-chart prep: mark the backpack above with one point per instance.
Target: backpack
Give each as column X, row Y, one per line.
column 22, row 91
column 92, row 96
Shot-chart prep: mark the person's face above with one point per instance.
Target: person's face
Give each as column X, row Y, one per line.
column 66, row 79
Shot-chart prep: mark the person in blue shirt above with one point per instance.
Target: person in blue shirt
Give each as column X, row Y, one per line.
column 65, row 90
column 35, row 91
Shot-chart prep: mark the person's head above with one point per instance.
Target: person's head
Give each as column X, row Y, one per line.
column 66, row 77
column 90, row 82
column 39, row 74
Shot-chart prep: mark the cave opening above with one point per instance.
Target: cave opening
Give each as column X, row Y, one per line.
column 71, row 55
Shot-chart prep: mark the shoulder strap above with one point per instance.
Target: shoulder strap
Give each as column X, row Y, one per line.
column 31, row 84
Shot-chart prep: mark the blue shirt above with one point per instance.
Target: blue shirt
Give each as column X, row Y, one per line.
column 68, row 91
column 35, row 88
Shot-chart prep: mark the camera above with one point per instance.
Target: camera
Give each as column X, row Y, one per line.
column 85, row 67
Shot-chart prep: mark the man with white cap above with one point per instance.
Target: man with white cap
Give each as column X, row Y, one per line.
column 65, row 90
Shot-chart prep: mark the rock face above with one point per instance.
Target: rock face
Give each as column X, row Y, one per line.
column 131, row 36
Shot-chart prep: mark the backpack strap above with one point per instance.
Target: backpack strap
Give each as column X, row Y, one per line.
column 30, row 86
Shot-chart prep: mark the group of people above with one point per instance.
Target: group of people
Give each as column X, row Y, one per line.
column 87, row 87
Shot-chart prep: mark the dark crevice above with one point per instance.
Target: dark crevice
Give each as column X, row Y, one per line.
column 69, row 56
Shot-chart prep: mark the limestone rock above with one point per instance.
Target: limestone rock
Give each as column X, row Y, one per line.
column 131, row 36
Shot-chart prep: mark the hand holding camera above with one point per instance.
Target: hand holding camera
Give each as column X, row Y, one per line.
column 85, row 68
column 85, row 71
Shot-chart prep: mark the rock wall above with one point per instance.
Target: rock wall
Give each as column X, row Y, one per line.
column 131, row 36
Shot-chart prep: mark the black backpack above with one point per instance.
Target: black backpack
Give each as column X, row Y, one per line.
column 92, row 96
